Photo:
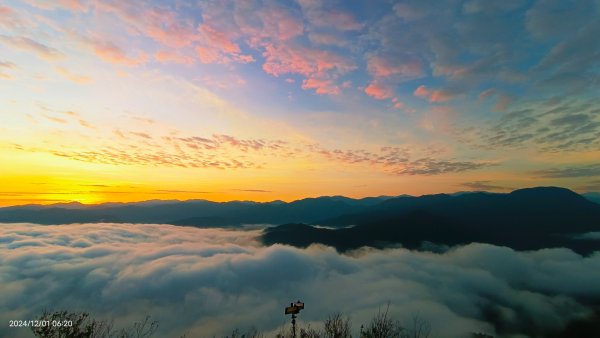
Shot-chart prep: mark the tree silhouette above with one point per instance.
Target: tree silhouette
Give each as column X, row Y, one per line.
column 253, row 333
column 337, row 326
column 65, row 324
column 382, row 326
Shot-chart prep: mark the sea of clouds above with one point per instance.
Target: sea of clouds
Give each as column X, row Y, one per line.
column 207, row 282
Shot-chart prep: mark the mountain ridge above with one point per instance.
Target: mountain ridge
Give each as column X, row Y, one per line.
column 530, row 219
column 190, row 212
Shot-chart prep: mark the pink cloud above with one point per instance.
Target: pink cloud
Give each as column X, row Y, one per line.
column 77, row 78
column 208, row 55
column 421, row 91
column 165, row 56
column 5, row 11
column 379, row 91
column 23, row 43
column 437, row 96
column 319, row 16
column 167, row 28
column 387, row 71
column 215, row 40
column 321, row 86
column 440, row 96
column 282, row 61
column 112, row 53
column 244, row 58
column 384, row 67
column 9, row 18
column 273, row 31
column 160, row 24
column 219, row 39
column 265, row 24
column 72, row 5
column 320, row 67
column 218, row 47
column 280, row 24
column 287, row 59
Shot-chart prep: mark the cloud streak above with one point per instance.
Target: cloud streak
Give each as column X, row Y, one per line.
column 27, row 44
column 229, row 152
column 6, row 65
column 590, row 170
column 551, row 127
column 483, row 186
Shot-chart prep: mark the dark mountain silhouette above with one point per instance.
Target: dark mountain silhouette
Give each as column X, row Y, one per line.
column 191, row 213
column 525, row 219
column 592, row 196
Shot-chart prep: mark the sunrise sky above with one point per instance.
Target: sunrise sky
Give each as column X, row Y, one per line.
column 263, row 100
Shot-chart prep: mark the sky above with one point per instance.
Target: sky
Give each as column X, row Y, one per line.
column 264, row 100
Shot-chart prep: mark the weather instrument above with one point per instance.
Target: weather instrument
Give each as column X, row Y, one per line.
column 294, row 309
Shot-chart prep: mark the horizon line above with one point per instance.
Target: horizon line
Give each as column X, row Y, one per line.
column 75, row 202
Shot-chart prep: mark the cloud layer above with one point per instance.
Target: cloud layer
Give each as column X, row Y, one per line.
column 195, row 280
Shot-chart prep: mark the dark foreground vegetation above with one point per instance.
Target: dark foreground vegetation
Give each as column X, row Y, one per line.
column 335, row 326
column 65, row 324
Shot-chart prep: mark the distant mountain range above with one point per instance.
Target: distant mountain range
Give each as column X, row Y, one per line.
column 199, row 213
column 524, row 219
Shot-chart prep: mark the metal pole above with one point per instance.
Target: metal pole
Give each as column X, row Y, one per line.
column 294, row 325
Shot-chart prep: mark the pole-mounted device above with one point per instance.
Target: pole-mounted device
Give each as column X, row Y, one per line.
column 294, row 309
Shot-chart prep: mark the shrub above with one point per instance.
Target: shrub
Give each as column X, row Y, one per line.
column 80, row 325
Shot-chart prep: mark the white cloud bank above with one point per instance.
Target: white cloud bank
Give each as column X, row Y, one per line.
column 208, row 281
